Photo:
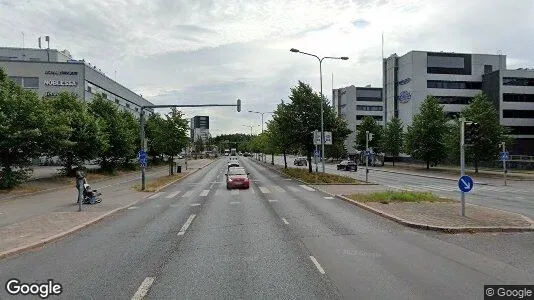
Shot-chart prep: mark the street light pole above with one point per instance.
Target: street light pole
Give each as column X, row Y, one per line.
column 321, row 84
column 261, row 113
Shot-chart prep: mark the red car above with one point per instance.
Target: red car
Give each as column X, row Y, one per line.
column 237, row 178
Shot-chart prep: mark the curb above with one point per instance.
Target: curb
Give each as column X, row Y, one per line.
column 77, row 228
column 473, row 229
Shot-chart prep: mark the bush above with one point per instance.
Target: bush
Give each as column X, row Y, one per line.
column 304, row 175
column 394, row 196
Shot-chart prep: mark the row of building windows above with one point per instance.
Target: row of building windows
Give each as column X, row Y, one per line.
column 361, row 117
column 369, row 107
column 26, row 82
column 444, row 84
column 453, row 99
column 517, row 97
column 518, row 81
column 93, row 89
column 373, row 99
column 527, row 130
column 520, row 114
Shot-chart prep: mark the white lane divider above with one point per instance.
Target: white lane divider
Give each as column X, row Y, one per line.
column 172, row 195
column 204, row 193
column 186, row 225
column 285, row 221
column 133, row 207
column 278, row 189
column 156, row 195
column 264, row 190
column 187, row 194
column 235, row 202
column 194, row 204
column 143, row 288
column 234, row 192
column 328, row 197
column 306, row 187
column 317, row 265
column 273, row 200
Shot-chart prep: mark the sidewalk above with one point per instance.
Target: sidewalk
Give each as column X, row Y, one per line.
column 37, row 219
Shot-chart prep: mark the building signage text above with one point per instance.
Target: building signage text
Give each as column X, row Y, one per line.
column 52, row 94
column 404, row 96
column 61, row 83
column 405, row 81
column 61, row 73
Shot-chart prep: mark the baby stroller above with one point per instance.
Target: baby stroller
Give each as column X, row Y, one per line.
column 90, row 196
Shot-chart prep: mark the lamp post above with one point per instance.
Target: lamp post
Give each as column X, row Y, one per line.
column 251, row 126
column 261, row 113
column 321, row 83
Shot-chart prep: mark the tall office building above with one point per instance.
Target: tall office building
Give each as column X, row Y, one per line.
column 354, row 103
column 200, row 128
column 49, row 71
column 454, row 79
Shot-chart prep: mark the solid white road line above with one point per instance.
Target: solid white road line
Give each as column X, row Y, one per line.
column 317, row 265
column 234, row 192
column 278, row 189
column 273, row 200
column 264, row 190
column 133, row 207
column 186, row 225
column 187, row 194
column 156, row 195
column 143, row 288
column 285, row 221
column 306, row 187
column 204, row 193
column 288, row 179
column 172, row 195
column 329, row 197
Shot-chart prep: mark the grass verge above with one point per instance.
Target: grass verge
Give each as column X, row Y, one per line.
column 393, row 196
column 155, row 184
column 315, row 178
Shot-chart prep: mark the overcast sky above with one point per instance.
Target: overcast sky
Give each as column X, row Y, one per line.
column 209, row 51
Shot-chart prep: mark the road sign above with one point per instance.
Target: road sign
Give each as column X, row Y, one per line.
column 316, row 152
column 504, row 155
column 328, row 138
column 141, row 155
column 317, row 137
column 465, row 184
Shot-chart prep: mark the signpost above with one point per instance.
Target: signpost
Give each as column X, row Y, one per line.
column 465, row 184
column 504, row 157
column 315, row 155
column 368, row 138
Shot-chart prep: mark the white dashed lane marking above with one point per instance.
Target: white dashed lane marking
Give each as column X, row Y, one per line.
column 329, row 197
column 133, row 207
column 306, row 187
column 143, row 288
column 273, row 200
column 278, row 189
column 186, row 225
column 317, row 265
column 156, row 195
column 235, row 202
column 188, row 194
column 172, row 195
column 294, row 188
column 194, row 204
column 204, row 193
column 264, row 190
column 234, row 192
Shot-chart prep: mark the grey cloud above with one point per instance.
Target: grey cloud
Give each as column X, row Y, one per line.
column 189, row 28
column 360, row 23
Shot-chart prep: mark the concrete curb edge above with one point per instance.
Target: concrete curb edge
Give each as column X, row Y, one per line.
column 21, row 249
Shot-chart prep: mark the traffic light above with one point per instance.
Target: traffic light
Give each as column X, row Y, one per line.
column 472, row 132
column 238, row 105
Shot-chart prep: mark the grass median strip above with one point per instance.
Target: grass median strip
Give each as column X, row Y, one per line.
column 155, row 184
column 315, row 178
column 393, row 196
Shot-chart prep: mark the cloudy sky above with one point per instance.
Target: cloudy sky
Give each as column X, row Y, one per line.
column 210, row 51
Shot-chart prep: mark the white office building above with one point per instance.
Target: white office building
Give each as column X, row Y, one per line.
column 49, row 71
column 454, row 79
column 353, row 104
column 200, row 128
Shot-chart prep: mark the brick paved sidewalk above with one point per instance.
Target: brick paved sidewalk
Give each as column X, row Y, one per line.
column 29, row 221
column 444, row 216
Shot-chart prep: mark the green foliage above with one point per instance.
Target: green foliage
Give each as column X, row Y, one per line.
column 120, row 133
column 369, row 124
column 24, row 127
column 425, row 138
column 402, row 196
column 86, row 139
column 318, row 177
column 237, row 140
column 392, row 141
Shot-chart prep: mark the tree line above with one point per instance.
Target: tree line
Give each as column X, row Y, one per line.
column 76, row 131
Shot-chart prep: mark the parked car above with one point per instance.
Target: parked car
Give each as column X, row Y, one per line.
column 237, row 178
column 300, row 161
column 347, row 165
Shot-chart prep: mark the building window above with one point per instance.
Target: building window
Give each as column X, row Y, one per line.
column 448, row 63
column 518, row 81
column 453, row 99
column 104, row 95
column 117, row 101
column 369, row 107
column 16, row 79
column 518, row 97
column 361, row 117
column 444, row 84
column 520, row 114
column 26, row 82
column 521, row 130
column 127, row 105
column 488, row 69
column 137, row 109
column 89, row 89
column 374, row 99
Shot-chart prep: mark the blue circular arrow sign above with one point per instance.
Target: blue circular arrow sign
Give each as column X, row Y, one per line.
column 465, row 184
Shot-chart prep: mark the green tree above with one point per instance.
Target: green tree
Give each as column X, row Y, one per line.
column 199, row 145
column 120, row 136
column 154, row 127
column 305, row 116
column 86, row 139
column 392, row 140
column 27, row 128
column 369, row 124
column 492, row 133
column 425, row 138
column 278, row 138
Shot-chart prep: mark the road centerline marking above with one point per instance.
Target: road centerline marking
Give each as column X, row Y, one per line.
column 235, row 202
column 204, row 193
column 172, row 195
column 317, row 265
column 194, row 204
column 273, row 200
column 143, row 288
column 186, row 224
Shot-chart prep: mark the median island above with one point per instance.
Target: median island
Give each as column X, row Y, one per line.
column 319, row 178
column 156, row 184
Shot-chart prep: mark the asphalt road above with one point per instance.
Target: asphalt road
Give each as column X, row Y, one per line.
column 279, row 239
column 518, row 197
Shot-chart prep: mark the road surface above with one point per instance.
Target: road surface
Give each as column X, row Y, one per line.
column 278, row 239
